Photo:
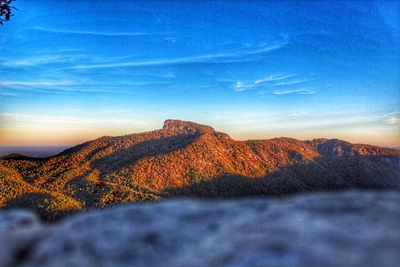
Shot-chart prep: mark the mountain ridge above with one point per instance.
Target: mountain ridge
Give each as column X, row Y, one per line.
column 187, row 158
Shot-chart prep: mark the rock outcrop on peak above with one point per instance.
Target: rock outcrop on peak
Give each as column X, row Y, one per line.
column 186, row 127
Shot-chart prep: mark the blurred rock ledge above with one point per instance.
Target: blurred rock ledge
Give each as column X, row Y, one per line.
column 350, row 228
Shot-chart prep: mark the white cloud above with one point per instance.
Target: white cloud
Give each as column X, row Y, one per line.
column 393, row 121
column 8, row 94
column 96, row 33
column 50, row 86
column 272, row 78
column 295, row 91
column 84, row 86
column 291, row 82
column 227, row 57
column 35, row 83
column 241, row 86
column 40, row 120
column 42, row 60
column 298, row 114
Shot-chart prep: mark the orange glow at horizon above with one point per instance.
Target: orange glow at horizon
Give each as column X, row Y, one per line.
column 70, row 137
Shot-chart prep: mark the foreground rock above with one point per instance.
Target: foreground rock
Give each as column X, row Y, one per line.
column 334, row 229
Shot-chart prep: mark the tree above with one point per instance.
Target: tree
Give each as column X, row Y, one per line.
column 6, row 10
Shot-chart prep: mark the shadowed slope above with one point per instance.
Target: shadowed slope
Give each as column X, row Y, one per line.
column 318, row 175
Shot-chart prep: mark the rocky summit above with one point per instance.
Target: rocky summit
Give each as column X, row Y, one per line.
column 350, row 228
column 189, row 159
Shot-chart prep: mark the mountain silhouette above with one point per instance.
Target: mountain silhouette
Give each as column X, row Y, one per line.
column 190, row 159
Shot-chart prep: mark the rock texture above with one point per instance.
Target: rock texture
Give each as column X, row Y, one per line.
column 351, row 228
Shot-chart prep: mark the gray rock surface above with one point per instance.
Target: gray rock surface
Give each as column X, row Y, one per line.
column 332, row 229
column 11, row 220
column 19, row 229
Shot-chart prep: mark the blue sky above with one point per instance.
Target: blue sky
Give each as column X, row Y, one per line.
column 75, row 70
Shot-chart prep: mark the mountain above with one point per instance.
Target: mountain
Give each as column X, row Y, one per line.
column 31, row 151
column 16, row 156
column 186, row 158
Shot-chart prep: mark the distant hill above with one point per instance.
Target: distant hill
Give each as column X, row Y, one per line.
column 186, row 158
column 16, row 156
column 31, row 151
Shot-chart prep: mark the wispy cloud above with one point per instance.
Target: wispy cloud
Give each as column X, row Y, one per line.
column 35, row 83
column 63, row 57
column 393, row 121
column 171, row 39
column 291, row 82
column 62, row 90
column 272, row 78
column 224, row 57
column 298, row 114
column 42, row 60
column 295, row 91
column 46, row 86
column 95, row 33
column 83, row 86
column 242, row 86
column 8, row 94
column 53, row 121
column 270, row 82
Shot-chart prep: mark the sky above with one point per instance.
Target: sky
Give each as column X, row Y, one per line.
column 71, row 71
